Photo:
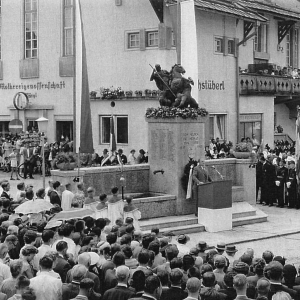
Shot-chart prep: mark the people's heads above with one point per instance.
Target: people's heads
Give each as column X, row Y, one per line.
column 56, row 185
column 209, row 279
column 153, row 286
column 281, row 295
column 22, row 283
column 228, row 278
column 11, row 241
column 164, row 277
column 220, row 261
column 46, row 263
column 30, row 237
column 78, row 272
column 12, row 229
column 126, row 249
column 268, row 256
column 259, row 265
column 193, row 286
column 122, row 274
column 15, row 267
column 103, row 198
column 21, row 186
column 62, row 247
column 143, row 257
column 194, row 272
column 188, row 261
column 275, row 270
column 154, row 246
column 146, row 240
column 90, row 192
column 289, row 274
column 89, row 222
column 29, row 194
column 241, row 268
column 67, row 229
column 105, row 151
column 142, row 152
column 86, row 286
column 29, row 252
column 114, row 190
column 5, row 186
column 263, row 287
column 84, row 259
column 80, row 186
column 47, row 236
column 128, row 199
column 240, row 283
column 118, row 259
column 111, row 238
column 176, row 276
column 138, row 280
column 41, row 193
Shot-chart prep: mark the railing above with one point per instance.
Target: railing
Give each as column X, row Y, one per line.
column 267, row 84
column 282, row 136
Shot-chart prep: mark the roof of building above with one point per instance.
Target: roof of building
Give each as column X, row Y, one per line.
column 229, row 7
column 270, row 8
column 246, row 9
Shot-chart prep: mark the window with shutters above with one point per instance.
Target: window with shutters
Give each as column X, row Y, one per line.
column 31, row 29
column 152, row 39
column 219, row 45
column 231, row 47
column 68, row 27
column 133, row 40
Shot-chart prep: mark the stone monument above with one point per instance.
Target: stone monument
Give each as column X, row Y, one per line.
column 171, row 142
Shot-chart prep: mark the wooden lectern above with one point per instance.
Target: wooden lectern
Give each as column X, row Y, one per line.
column 214, row 204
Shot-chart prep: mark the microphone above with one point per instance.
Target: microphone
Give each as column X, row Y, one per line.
column 222, row 177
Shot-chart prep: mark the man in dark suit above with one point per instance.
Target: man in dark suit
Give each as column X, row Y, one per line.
column 62, row 266
column 259, row 177
column 152, row 289
column 85, row 260
column 200, row 176
column 292, row 186
column 281, row 176
column 175, row 292
column 268, row 184
column 6, row 187
column 29, row 161
column 54, row 197
column 275, row 271
column 86, row 290
column 121, row 291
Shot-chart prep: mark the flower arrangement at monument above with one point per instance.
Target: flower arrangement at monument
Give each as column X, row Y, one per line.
column 111, row 93
column 165, row 112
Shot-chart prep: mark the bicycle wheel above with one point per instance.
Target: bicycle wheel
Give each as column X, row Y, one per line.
column 21, row 170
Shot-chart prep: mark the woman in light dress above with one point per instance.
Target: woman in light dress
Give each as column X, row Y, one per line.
column 133, row 212
column 101, row 208
column 115, row 206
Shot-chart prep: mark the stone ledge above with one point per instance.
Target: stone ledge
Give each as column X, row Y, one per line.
column 200, row 119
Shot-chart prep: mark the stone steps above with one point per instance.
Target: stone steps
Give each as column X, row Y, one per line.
column 242, row 214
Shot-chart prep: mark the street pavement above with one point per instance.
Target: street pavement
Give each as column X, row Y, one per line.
column 280, row 234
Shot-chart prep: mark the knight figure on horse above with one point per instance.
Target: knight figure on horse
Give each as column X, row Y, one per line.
column 175, row 89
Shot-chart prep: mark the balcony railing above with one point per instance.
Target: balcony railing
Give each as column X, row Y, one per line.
column 252, row 84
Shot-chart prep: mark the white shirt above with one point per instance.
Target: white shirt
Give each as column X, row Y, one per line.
column 51, row 273
column 4, row 271
column 183, row 249
column 46, row 287
column 43, row 249
column 66, row 199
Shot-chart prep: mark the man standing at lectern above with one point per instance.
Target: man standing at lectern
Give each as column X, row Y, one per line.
column 200, row 176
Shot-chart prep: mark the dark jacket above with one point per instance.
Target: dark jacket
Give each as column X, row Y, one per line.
column 62, row 267
column 54, row 198
column 118, row 293
column 274, row 288
column 71, row 290
column 174, row 293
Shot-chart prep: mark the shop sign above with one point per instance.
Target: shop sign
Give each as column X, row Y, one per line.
column 250, row 118
column 30, row 137
column 211, row 85
column 50, row 85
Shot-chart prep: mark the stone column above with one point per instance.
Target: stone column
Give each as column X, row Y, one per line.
column 171, row 143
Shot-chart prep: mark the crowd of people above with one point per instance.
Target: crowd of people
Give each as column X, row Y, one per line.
column 89, row 258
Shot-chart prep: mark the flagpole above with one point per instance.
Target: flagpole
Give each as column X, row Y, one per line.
column 74, row 77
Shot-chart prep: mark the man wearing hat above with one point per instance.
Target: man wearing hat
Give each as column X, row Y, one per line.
column 202, row 247
column 230, row 253
column 221, row 248
column 292, row 186
column 183, row 249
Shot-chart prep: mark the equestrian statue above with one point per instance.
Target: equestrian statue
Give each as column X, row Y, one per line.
column 175, row 89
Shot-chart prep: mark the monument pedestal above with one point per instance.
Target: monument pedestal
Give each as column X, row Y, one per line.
column 171, row 143
column 215, row 205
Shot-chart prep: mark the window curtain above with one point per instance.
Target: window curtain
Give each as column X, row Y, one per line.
column 221, row 126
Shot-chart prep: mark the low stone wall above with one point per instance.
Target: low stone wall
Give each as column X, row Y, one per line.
column 103, row 179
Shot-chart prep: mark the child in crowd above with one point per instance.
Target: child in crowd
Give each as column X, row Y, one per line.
column 14, row 164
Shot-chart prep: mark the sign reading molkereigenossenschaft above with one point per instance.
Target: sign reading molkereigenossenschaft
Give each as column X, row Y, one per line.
column 50, row 85
column 211, row 85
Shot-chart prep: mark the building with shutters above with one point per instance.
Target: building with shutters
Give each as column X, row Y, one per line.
column 215, row 41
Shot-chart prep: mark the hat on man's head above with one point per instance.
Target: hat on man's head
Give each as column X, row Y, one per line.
column 221, row 246
column 137, row 233
column 202, row 245
column 231, row 249
column 183, row 238
column 94, row 258
column 172, row 249
column 168, row 233
column 115, row 228
column 194, row 251
column 241, row 268
column 280, row 259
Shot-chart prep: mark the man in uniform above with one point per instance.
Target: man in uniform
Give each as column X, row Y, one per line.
column 292, row 186
column 281, row 178
column 268, row 184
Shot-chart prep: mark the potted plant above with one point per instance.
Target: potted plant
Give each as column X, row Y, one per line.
column 148, row 92
column 138, row 93
column 65, row 161
column 93, row 94
column 242, row 150
column 155, row 93
column 128, row 94
column 120, row 92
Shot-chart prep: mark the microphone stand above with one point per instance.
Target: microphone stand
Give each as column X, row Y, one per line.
column 222, row 177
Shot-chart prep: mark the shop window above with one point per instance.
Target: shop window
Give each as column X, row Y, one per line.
column 120, row 128
column 64, row 129
column 217, row 126
column 31, row 29
column 4, row 128
column 68, row 27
